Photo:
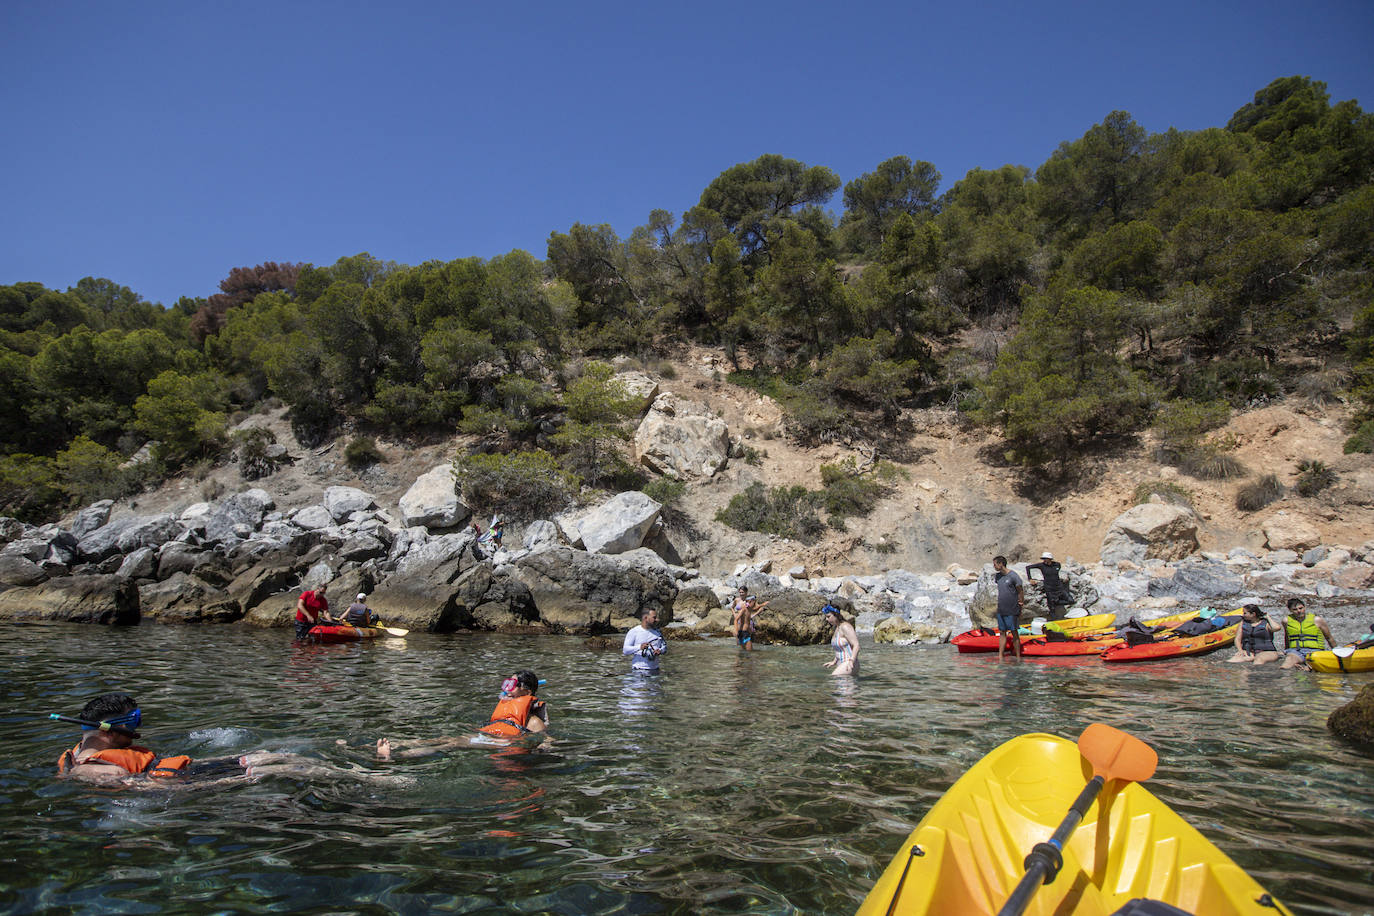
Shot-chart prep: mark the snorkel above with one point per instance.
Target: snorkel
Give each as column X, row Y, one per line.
column 122, row 725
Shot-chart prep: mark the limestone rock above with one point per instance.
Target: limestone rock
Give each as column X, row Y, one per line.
column 1288, row 532
column 619, row 524
column 341, row 502
column 1201, row 582
column 904, row 632
column 1354, row 576
column 254, row 586
column 185, row 599
column 246, row 508
column 682, row 440
column 695, row 602
column 1355, row 720
column 16, row 569
column 1151, row 531
column 582, row 592
column 91, row 518
column 432, row 500
column 639, row 386
column 488, row 599
column 74, row 599
column 541, row 535
column 793, row 617
column 140, row 564
column 312, row 518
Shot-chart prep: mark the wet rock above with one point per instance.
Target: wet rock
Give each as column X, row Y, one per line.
column 1355, row 720
column 1152, row 530
column 74, row 599
column 185, row 599
column 254, row 586
column 488, row 599
column 695, row 602
column 577, row 591
column 793, row 617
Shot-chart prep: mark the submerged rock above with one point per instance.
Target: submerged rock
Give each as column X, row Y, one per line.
column 1355, row 720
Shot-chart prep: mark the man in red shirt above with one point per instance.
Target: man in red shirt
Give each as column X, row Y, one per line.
column 311, row 608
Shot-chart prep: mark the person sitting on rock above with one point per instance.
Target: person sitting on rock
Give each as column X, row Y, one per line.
column 1255, row 638
column 518, row 714
column 1303, row 634
column 1057, row 595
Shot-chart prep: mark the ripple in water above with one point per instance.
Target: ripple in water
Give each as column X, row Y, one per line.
column 731, row 784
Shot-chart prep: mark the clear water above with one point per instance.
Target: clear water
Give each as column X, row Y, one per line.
column 733, row 783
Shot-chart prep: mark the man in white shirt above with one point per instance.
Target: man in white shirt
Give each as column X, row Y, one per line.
column 645, row 643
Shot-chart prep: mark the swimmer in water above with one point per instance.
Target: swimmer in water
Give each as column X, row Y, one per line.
column 845, row 642
column 519, row 713
column 107, row 755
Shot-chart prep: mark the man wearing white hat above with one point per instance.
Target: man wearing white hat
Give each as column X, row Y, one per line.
column 1057, row 595
column 359, row 614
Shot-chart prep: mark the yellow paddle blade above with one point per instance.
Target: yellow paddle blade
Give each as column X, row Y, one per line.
column 1117, row 755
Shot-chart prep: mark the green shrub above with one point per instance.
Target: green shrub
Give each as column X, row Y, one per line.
column 28, row 488
column 664, row 490
column 87, row 471
column 361, row 452
column 1257, row 494
column 785, row 511
column 847, row 492
column 250, row 449
column 523, row 485
column 1212, row 461
column 1363, row 439
column 1313, row 477
column 1166, row 490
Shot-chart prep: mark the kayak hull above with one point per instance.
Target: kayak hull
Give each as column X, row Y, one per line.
column 972, row 843
column 332, row 634
column 1362, row 660
column 1177, row 647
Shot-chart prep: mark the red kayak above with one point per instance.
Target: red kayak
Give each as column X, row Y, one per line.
column 1173, row 648
column 1089, row 643
column 326, row 633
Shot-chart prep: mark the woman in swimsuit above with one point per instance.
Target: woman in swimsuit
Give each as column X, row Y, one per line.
column 1255, row 638
column 845, row 642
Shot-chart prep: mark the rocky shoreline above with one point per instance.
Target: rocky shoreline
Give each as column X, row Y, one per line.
column 240, row 560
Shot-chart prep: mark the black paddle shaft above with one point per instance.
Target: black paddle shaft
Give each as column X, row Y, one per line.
column 1046, row 859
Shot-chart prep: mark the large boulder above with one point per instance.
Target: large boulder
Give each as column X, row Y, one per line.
column 432, row 500
column 490, row 599
column 1198, row 582
column 619, row 524
column 682, row 440
column 232, row 514
column 91, row 518
column 74, row 599
column 185, row 599
column 581, row 592
column 127, row 534
column 639, row 386
column 16, row 569
column 793, row 617
column 1355, row 720
column 139, row 564
column 1289, row 532
column 696, row 602
column 903, row 632
column 312, row 518
column 272, row 579
column 341, row 502
column 1151, row 531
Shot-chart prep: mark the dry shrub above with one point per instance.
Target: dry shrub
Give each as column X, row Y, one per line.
column 1257, row 494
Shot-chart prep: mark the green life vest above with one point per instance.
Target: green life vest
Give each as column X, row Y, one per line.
column 1304, row 634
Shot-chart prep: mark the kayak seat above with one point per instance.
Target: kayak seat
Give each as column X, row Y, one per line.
column 1144, row 907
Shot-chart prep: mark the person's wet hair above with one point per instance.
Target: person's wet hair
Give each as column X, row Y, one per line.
column 1000, row 559
column 1295, row 602
column 528, row 679
column 108, row 706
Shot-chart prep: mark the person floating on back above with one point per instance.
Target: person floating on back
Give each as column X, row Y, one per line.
column 519, row 713
column 645, row 643
column 107, row 755
column 1303, row 634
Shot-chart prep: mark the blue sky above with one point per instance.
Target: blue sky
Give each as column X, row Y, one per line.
column 162, row 144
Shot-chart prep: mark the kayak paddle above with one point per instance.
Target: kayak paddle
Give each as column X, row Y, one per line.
column 394, row 631
column 1343, row 651
column 1113, row 755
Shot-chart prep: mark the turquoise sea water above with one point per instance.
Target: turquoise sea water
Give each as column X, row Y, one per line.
column 732, row 783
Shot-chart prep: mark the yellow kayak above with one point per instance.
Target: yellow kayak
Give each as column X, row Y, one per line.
column 1083, row 624
column 966, row 856
column 1359, row 660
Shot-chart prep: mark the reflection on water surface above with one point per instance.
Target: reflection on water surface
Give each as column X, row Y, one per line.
column 732, row 783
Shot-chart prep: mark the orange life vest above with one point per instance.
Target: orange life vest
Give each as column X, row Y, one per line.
column 135, row 760
column 509, row 718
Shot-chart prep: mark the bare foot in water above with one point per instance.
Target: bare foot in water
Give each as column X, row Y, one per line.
column 383, row 748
